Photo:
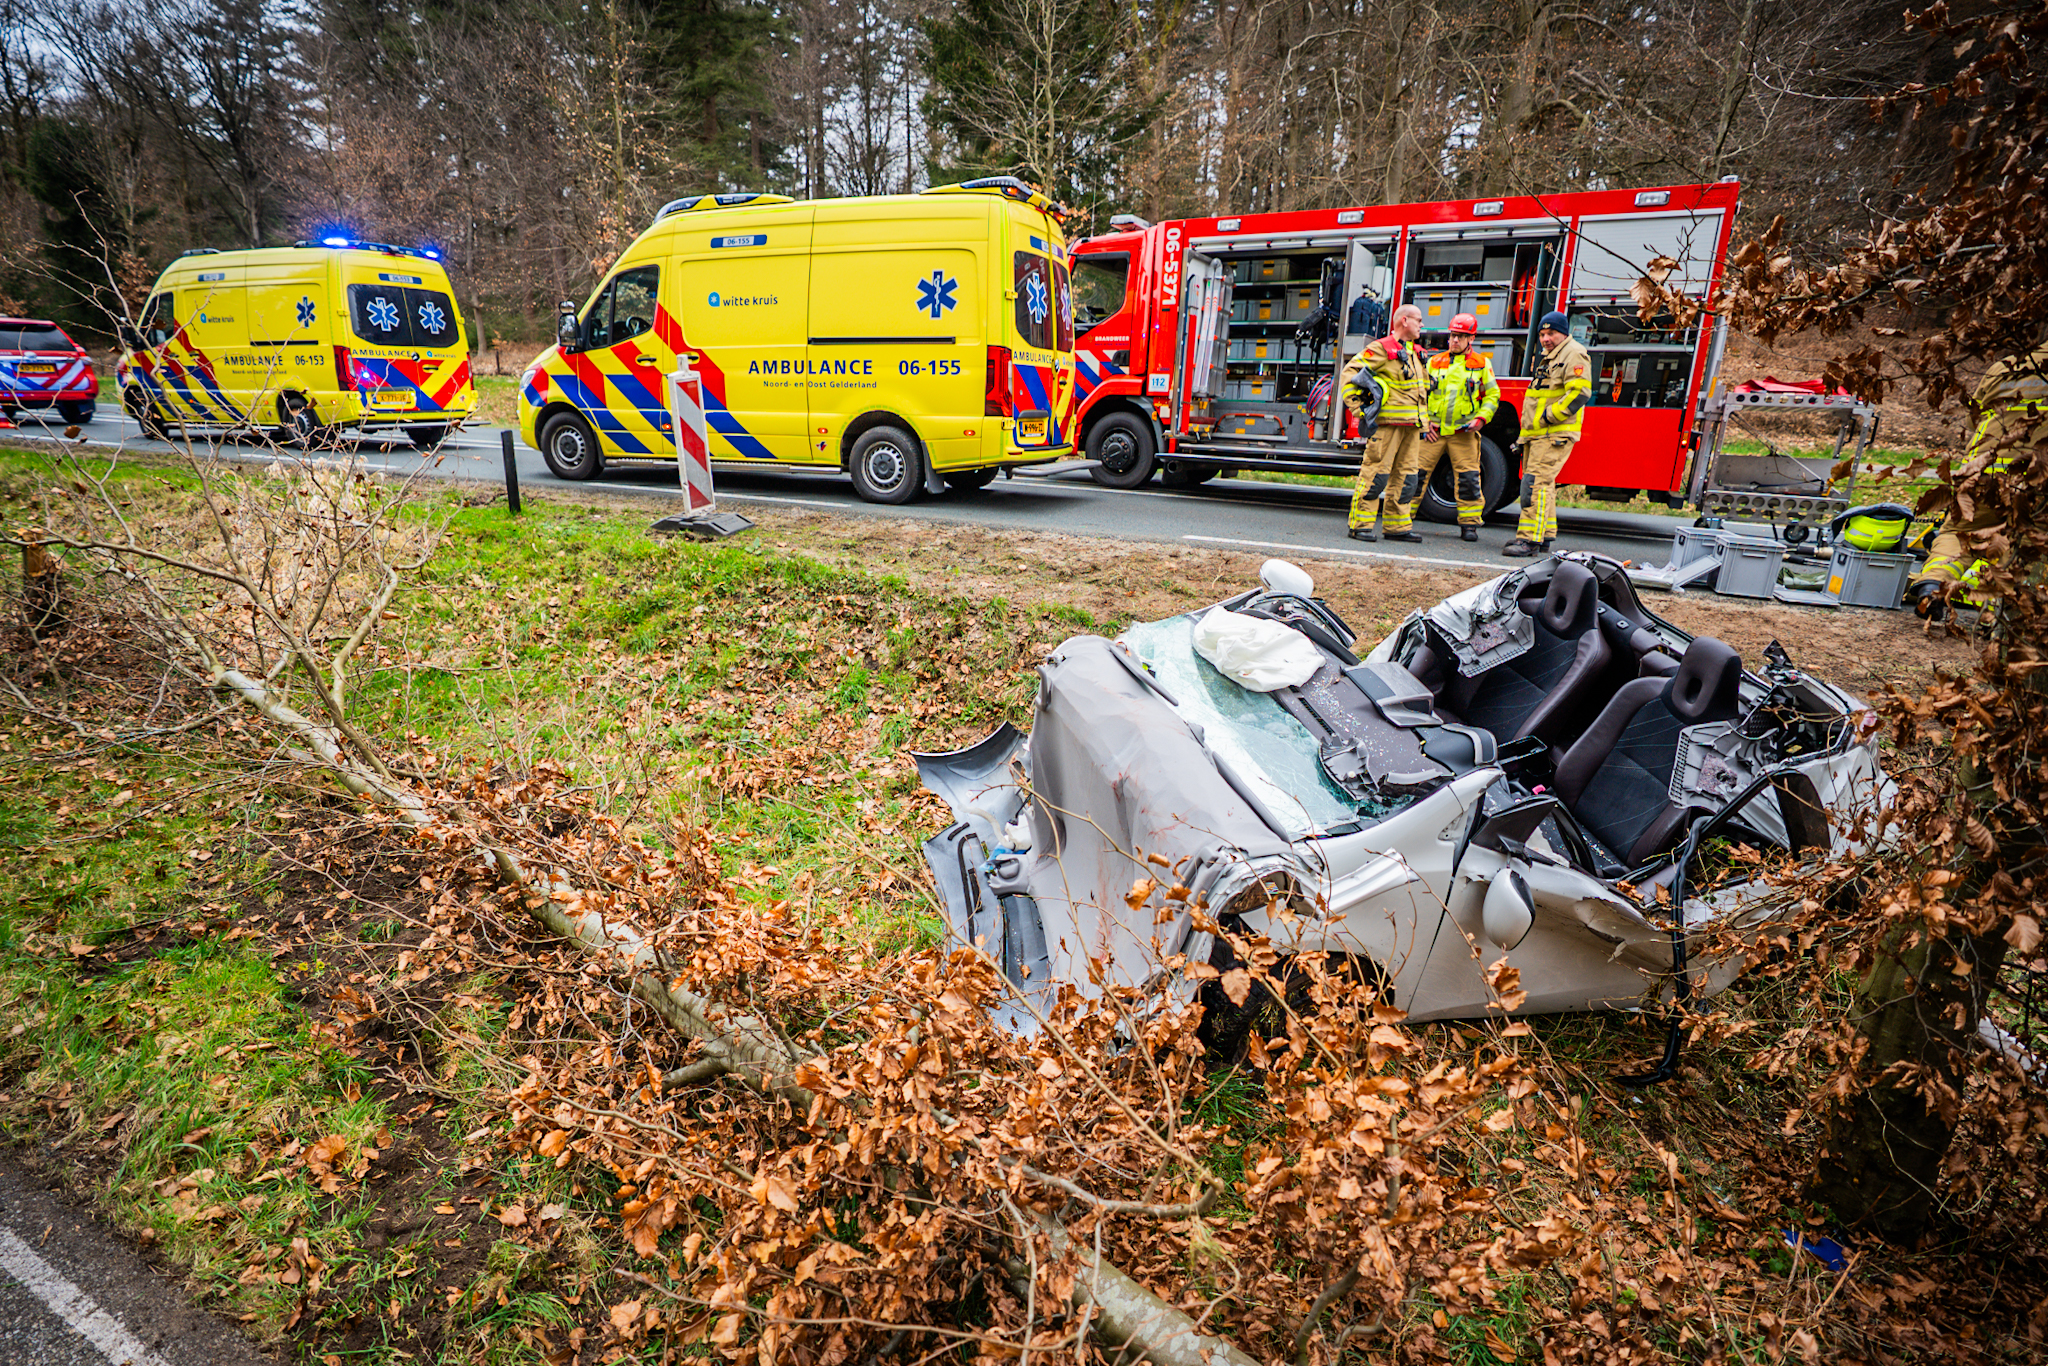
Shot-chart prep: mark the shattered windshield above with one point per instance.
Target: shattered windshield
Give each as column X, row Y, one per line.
column 1249, row 731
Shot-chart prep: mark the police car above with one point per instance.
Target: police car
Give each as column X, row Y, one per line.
column 41, row 367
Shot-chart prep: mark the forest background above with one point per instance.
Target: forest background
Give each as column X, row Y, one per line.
column 531, row 140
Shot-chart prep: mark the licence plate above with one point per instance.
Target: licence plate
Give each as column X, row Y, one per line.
column 390, row 398
column 33, row 368
column 1031, row 429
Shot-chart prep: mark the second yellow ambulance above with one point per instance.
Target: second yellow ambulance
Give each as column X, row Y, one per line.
column 314, row 341
column 914, row 341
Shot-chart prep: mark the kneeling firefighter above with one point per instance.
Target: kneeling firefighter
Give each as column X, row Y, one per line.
column 1463, row 396
column 2012, row 406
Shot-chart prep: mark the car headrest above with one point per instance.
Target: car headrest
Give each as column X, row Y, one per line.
column 1573, row 603
column 1706, row 686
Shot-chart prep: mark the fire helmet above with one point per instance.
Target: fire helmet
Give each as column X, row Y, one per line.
column 1465, row 323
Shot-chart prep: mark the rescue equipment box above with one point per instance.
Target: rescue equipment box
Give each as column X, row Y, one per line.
column 1749, row 566
column 1691, row 543
column 319, row 338
column 1866, row 578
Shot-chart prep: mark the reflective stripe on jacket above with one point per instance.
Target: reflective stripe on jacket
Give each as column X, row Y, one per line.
column 1555, row 404
column 1399, row 368
column 2012, row 403
column 1461, row 388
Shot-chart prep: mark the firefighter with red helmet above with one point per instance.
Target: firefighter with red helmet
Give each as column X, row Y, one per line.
column 1390, row 471
column 1463, row 395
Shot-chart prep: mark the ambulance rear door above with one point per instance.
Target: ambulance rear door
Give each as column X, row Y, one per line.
column 1201, row 335
column 742, row 296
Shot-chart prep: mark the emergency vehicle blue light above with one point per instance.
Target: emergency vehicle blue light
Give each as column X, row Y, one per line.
column 334, row 241
column 430, row 253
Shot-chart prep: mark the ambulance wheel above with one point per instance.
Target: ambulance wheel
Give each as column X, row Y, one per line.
column 886, row 465
column 1439, row 502
column 79, row 413
column 426, row 438
column 967, row 481
column 1122, row 444
column 146, row 415
column 570, row 448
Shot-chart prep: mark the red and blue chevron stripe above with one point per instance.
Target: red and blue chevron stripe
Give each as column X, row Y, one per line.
column 69, row 377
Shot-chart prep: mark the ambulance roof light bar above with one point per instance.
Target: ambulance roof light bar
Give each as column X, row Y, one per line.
column 1009, row 187
column 353, row 244
column 731, row 200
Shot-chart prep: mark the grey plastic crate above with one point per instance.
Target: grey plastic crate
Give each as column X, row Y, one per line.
column 1691, row 543
column 1865, row 578
column 1749, row 567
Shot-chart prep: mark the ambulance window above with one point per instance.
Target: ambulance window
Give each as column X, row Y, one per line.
column 1035, row 300
column 157, row 322
column 1065, row 293
column 431, row 318
column 1099, row 282
column 378, row 314
column 624, row 310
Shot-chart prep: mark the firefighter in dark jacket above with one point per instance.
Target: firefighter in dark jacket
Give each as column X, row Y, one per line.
column 1553, row 410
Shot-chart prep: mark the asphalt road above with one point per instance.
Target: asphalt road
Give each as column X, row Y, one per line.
column 1290, row 520
column 72, row 1293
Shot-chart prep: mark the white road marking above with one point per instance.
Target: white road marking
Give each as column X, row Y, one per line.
column 73, row 1305
column 1338, row 550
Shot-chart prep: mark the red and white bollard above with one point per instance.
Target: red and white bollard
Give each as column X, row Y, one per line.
column 700, row 516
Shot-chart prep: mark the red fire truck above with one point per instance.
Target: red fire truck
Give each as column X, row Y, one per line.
column 1212, row 344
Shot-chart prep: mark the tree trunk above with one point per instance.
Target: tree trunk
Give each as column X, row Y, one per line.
column 42, row 591
column 1881, row 1161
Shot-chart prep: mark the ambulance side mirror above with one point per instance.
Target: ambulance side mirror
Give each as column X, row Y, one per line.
column 131, row 340
column 568, row 331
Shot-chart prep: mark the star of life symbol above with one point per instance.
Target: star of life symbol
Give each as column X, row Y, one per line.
column 432, row 318
column 1036, row 300
column 306, row 312
column 383, row 314
column 935, row 296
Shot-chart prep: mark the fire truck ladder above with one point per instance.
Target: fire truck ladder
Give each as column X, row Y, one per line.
column 1777, row 486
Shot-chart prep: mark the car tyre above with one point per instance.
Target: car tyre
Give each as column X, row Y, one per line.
column 886, row 465
column 1122, row 445
column 146, row 414
column 77, row 413
column 570, row 447
column 1439, row 501
column 426, row 438
column 969, row 481
column 1187, row 476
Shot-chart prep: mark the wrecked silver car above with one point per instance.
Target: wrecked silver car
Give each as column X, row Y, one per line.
column 1527, row 769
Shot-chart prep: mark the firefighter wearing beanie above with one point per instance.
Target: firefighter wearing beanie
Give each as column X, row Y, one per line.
column 1553, row 410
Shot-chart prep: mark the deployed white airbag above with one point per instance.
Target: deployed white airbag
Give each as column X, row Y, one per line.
column 1256, row 654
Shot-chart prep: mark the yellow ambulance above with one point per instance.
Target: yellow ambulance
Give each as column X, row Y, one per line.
column 313, row 341
column 914, row 341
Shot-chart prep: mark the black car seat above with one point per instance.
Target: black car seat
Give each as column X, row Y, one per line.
column 1616, row 779
column 1542, row 691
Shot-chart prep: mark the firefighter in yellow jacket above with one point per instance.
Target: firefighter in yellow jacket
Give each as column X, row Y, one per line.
column 2011, row 402
column 1463, row 395
column 1553, row 410
column 1391, row 469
